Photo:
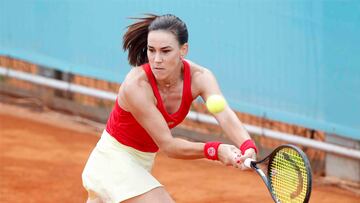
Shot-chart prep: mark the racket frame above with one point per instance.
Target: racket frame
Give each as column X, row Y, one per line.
column 269, row 158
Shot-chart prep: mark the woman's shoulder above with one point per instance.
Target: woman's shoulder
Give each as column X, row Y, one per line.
column 200, row 77
column 135, row 78
column 136, row 74
column 134, row 87
column 197, row 70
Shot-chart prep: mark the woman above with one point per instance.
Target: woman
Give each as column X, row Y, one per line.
column 154, row 97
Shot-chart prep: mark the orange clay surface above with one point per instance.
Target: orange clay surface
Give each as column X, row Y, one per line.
column 42, row 156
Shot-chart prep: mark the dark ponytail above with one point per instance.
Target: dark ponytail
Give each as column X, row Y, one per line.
column 135, row 39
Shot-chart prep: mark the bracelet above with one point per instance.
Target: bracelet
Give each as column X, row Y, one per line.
column 247, row 144
column 211, row 150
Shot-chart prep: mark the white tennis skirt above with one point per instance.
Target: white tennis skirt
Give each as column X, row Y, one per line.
column 116, row 172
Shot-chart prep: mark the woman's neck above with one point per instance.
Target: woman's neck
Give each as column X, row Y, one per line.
column 172, row 80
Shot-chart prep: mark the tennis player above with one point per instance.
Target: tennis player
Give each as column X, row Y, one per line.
column 154, row 97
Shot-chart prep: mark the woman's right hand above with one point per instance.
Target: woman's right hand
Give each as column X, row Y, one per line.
column 229, row 155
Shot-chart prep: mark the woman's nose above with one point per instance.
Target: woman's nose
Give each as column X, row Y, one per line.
column 158, row 58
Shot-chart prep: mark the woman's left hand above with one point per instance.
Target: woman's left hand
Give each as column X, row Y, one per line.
column 229, row 155
column 249, row 153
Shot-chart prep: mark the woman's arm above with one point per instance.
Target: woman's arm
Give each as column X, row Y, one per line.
column 205, row 85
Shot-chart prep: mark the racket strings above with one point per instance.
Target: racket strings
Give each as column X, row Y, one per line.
column 288, row 176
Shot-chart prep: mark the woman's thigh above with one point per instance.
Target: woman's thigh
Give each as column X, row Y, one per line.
column 158, row 194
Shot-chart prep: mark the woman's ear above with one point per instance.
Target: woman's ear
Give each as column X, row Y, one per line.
column 184, row 50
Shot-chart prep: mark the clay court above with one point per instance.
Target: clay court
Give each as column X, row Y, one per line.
column 43, row 153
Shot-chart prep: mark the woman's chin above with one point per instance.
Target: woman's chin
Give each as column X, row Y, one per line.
column 159, row 75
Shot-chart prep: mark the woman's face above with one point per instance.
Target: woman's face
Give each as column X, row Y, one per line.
column 164, row 53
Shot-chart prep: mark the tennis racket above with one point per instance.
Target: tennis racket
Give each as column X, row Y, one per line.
column 288, row 176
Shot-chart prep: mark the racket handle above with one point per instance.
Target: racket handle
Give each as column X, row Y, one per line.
column 248, row 161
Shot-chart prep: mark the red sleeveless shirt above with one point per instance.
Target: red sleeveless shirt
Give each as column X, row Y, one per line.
column 125, row 129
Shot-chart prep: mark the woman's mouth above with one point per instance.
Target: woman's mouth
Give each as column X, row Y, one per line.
column 158, row 68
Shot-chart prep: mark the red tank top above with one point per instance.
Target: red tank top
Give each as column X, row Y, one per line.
column 125, row 129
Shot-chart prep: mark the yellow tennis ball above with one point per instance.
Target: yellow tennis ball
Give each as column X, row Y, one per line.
column 215, row 103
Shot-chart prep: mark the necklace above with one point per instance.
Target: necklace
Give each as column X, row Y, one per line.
column 168, row 85
column 174, row 81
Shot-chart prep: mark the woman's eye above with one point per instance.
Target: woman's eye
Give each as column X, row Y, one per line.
column 166, row 51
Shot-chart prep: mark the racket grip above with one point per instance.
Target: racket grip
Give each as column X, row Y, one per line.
column 248, row 161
